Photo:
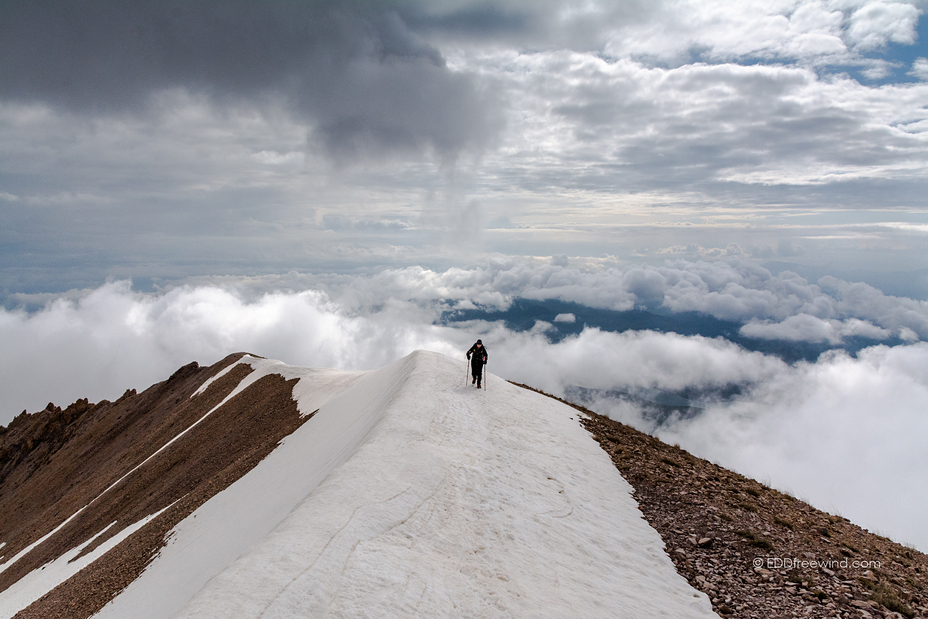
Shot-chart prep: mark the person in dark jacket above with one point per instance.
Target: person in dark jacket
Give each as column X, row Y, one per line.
column 478, row 358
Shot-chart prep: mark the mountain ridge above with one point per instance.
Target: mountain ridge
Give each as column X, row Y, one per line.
column 90, row 589
column 143, row 421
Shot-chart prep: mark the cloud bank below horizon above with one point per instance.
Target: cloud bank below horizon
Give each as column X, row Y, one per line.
column 843, row 433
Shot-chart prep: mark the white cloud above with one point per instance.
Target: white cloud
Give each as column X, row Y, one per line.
column 641, row 359
column 734, row 289
column 569, row 318
column 878, row 23
column 803, row 328
column 806, row 328
column 811, row 31
column 920, row 68
column 611, row 125
column 113, row 338
column 907, row 335
column 270, row 157
column 364, row 322
column 862, row 328
column 866, row 302
column 844, row 433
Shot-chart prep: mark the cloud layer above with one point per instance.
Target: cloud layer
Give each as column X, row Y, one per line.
column 174, row 139
column 783, row 306
column 842, row 432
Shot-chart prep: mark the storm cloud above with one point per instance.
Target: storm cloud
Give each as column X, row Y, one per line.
column 354, row 71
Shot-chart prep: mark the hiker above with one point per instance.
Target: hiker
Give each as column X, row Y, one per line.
column 478, row 358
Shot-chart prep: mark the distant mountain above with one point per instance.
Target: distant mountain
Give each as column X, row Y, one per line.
column 522, row 315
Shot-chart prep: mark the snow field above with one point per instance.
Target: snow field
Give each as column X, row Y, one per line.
column 411, row 494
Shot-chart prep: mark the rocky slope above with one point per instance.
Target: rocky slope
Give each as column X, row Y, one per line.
column 759, row 553
column 62, row 462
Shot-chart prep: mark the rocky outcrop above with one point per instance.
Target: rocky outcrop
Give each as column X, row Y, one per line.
column 57, row 463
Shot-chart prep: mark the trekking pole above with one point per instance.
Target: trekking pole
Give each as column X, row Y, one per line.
column 465, row 371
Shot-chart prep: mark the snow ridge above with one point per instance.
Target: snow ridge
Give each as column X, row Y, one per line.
column 409, row 493
column 403, row 492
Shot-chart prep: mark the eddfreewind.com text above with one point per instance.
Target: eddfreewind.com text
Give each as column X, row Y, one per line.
column 789, row 563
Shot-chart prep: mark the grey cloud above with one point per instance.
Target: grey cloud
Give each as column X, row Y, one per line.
column 481, row 21
column 527, row 24
column 354, row 71
column 758, row 134
column 338, row 222
column 647, row 285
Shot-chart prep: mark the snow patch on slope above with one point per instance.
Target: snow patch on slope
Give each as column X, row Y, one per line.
column 261, row 368
column 409, row 493
column 22, row 553
column 265, row 367
column 40, row 581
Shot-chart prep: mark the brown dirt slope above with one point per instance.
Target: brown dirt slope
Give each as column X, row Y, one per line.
column 759, row 553
column 56, row 461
